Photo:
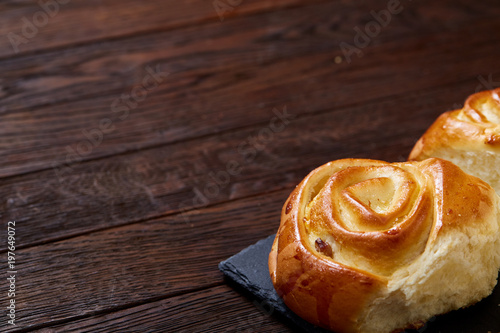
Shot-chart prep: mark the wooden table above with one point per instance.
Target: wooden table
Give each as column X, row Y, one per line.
column 142, row 142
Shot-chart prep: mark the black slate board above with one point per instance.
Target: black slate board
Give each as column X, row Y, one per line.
column 248, row 270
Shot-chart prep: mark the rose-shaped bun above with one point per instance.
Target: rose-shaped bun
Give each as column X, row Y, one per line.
column 370, row 246
column 469, row 137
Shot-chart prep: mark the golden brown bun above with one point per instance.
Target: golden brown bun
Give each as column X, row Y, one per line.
column 369, row 246
column 469, row 137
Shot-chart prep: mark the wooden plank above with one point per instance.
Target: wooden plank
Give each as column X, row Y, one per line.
column 134, row 264
column 218, row 309
column 30, row 27
column 202, row 100
column 164, row 180
column 70, row 74
column 87, row 70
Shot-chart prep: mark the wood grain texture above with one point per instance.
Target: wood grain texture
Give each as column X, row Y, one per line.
column 126, row 234
column 63, row 23
column 132, row 187
column 211, row 310
column 236, row 66
column 137, row 263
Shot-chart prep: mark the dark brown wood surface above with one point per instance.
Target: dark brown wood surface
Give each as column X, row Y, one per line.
column 120, row 224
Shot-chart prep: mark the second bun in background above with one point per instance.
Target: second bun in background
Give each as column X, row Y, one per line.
column 469, row 137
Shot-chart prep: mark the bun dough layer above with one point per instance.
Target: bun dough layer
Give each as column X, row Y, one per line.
column 370, row 246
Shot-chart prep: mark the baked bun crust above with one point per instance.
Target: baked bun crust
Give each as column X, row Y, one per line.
column 469, row 137
column 370, row 246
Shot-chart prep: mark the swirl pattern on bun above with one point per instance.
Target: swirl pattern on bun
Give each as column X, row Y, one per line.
column 469, row 137
column 371, row 246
